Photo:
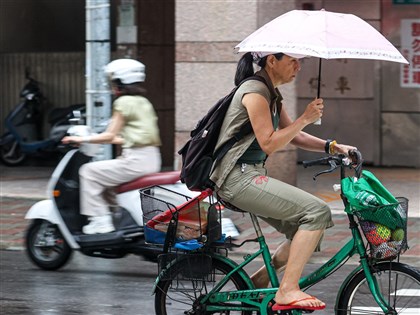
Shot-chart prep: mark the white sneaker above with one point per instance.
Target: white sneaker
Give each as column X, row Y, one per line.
column 97, row 225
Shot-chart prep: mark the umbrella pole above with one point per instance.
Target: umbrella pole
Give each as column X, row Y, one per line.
column 319, row 79
column 318, row 94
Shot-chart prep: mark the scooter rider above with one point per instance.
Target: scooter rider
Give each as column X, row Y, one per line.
column 134, row 126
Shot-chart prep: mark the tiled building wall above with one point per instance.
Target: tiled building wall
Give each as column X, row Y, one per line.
column 206, row 34
column 374, row 113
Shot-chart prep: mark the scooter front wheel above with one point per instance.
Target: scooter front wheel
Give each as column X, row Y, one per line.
column 46, row 246
column 11, row 154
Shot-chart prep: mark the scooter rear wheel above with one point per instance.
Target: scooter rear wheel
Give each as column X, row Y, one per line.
column 11, row 154
column 46, row 246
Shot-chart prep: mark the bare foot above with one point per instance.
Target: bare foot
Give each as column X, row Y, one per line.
column 297, row 298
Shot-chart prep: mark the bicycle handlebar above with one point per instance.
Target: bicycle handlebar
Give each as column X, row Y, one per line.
column 354, row 160
column 321, row 161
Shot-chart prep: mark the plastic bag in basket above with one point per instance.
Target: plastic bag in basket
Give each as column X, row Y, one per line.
column 192, row 222
column 370, row 200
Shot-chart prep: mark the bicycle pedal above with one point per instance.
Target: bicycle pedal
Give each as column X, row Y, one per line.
column 271, row 312
column 286, row 312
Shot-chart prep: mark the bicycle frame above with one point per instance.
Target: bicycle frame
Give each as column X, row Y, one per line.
column 258, row 298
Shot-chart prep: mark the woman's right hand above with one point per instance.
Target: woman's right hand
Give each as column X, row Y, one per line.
column 314, row 111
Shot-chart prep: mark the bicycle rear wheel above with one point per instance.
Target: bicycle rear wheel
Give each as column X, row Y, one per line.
column 182, row 296
column 398, row 283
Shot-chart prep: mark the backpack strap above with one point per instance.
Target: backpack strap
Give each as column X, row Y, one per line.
column 245, row 129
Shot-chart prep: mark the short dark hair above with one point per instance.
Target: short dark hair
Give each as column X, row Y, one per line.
column 128, row 89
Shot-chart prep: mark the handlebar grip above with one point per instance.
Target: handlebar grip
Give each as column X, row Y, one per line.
column 356, row 157
column 320, row 161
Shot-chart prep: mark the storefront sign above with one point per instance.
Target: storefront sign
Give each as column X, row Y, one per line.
column 410, row 46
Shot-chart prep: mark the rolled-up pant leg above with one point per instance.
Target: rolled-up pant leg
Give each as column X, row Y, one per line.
column 285, row 207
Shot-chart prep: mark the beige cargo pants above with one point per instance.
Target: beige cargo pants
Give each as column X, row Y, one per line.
column 283, row 206
column 97, row 179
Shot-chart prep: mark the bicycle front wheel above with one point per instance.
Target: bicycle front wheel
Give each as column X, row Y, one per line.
column 399, row 284
column 180, row 296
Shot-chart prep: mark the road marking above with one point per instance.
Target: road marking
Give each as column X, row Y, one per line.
column 408, row 292
column 377, row 310
column 328, row 197
column 361, row 310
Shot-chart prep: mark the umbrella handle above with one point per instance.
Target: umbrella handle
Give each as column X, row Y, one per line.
column 318, row 94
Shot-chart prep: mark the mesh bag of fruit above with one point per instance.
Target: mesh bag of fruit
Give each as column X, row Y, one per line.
column 382, row 217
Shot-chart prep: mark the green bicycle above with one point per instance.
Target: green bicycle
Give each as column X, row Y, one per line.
column 202, row 280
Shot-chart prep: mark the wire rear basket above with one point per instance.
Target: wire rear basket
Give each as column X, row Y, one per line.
column 188, row 266
column 171, row 217
column 385, row 229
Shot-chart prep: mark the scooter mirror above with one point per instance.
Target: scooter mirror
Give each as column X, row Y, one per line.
column 77, row 117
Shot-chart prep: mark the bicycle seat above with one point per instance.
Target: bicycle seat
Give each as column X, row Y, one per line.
column 230, row 206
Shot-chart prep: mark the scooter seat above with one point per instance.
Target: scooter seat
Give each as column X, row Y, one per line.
column 161, row 178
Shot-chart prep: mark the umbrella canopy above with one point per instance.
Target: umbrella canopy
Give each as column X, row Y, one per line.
column 322, row 34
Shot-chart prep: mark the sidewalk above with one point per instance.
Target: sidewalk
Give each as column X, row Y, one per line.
column 21, row 187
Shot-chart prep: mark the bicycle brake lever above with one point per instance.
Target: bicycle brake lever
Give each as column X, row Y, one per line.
column 333, row 165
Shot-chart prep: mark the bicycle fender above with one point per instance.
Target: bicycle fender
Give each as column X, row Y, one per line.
column 345, row 283
column 228, row 261
column 352, row 275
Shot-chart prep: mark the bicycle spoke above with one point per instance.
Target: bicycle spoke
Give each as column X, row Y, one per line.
column 398, row 284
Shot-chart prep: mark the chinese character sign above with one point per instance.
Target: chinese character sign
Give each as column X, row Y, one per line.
column 410, row 46
column 341, row 78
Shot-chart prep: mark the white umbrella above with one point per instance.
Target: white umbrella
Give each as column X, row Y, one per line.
column 321, row 34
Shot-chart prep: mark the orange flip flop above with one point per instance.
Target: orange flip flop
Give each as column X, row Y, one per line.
column 294, row 306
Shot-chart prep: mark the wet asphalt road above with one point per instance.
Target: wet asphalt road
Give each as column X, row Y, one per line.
column 93, row 286
column 85, row 286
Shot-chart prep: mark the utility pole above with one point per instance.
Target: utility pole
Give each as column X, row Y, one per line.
column 98, row 54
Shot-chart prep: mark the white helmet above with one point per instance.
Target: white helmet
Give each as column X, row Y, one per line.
column 126, row 70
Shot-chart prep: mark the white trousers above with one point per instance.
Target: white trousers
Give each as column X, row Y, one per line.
column 98, row 179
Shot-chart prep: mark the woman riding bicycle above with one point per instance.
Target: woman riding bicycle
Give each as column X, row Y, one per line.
column 241, row 179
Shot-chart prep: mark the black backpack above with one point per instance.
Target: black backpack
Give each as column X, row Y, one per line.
column 198, row 156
